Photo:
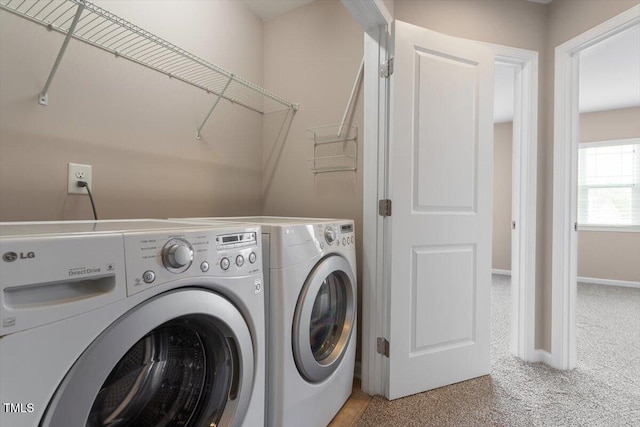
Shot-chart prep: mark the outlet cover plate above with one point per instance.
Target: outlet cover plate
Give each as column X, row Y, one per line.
column 77, row 173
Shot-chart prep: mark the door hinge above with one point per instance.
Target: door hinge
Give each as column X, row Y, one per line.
column 383, row 346
column 384, row 207
column 513, row 225
column 386, row 69
column 575, row 226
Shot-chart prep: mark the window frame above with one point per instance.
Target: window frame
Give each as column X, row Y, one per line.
column 605, row 227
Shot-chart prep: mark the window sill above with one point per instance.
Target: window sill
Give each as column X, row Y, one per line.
column 610, row 228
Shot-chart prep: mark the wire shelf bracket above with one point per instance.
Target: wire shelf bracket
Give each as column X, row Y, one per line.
column 213, row 107
column 95, row 26
column 43, row 99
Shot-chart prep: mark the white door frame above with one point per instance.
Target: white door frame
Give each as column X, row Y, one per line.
column 375, row 21
column 524, row 191
column 565, row 184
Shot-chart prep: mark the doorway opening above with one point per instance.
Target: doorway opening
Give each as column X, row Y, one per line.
column 504, row 167
column 608, row 207
column 576, row 202
column 524, row 65
column 514, row 201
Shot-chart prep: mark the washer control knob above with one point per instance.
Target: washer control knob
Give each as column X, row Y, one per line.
column 204, row 267
column 252, row 257
column 177, row 254
column 225, row 263
column 239, row 260
column 148, row 276
column 329, row 235
column 344, row 241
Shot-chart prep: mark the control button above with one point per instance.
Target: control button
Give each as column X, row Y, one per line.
column 177, row 253
column 204, row 267
column 252, row 257
column 148, row 276
column 344, row 241
column 353, row 239
column 321, row 245
column 239, row 260
column 225, row 263
column 329, row 235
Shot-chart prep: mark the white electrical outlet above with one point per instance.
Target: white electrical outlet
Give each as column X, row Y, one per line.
column 78, row 173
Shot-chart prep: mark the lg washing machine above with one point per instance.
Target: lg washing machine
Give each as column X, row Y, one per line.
column 310, row 277
column 131, row 323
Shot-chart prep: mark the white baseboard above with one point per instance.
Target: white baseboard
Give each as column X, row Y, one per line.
column 609, row 282
column 502, row 272
column 542, row 356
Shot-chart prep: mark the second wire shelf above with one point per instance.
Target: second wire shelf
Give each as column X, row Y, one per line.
column 335, row 148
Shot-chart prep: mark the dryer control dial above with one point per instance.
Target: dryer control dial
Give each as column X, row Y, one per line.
column 177, row 255
column 329, row 235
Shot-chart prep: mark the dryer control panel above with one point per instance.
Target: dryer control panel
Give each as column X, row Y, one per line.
column 154, row 258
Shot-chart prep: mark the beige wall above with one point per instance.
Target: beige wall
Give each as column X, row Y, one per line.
column 135, row 127
column 612, row 124
column 601, row 254
column 312, row 55
column 502, row 191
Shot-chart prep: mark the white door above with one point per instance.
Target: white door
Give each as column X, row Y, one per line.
column 440, row 177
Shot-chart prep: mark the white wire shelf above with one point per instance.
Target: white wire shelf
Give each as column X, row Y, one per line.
column 91, row 24
column 337, row 163
column 334, row 148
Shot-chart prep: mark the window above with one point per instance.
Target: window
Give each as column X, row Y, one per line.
column 609, row 184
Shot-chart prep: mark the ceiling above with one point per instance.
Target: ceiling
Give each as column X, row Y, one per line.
column 610, row 73
column 269, row 9
column 609, row 77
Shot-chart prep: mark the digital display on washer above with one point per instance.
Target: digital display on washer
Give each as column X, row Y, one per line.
column 228, row 239
column 346, row 228
column 243, row 239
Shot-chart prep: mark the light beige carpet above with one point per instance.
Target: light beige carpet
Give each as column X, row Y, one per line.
column 604, row 389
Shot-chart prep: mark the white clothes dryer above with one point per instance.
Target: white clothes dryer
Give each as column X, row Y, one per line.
column 310, row 277
column 123, row 323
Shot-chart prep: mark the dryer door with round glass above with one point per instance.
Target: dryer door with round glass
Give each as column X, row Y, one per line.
column 324, row 318
column 184, row 358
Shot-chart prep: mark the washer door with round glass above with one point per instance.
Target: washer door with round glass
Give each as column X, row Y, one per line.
column 181, row 359
column 324, row 318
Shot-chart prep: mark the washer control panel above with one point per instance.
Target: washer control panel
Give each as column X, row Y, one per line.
column 335, row 235
column 236, row 248
column 154, row 258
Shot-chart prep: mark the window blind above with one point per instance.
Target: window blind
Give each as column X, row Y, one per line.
column 609, row 183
